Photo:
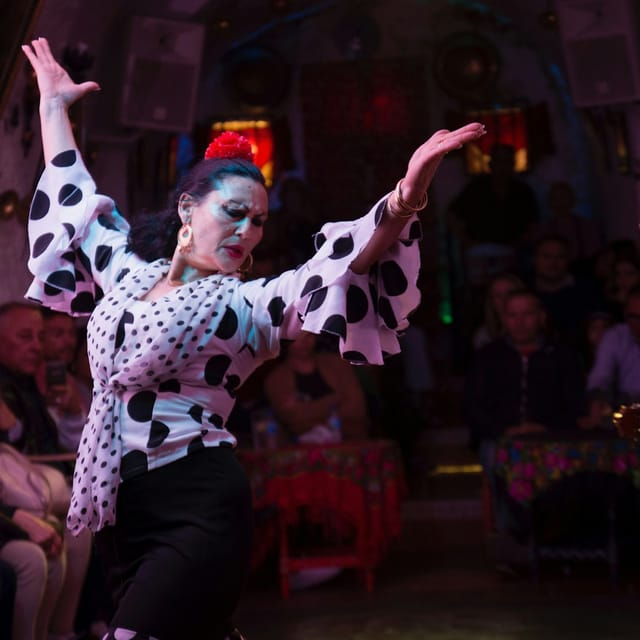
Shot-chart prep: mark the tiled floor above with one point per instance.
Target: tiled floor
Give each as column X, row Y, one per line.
column 438, row 583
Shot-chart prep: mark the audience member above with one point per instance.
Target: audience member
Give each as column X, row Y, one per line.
column 68, row 397
column 26, row 424
column 34, row 430
column 492, row 218
column 566, row 298
column 605, row 259
column 626, row 276
column 595, row 327
column 519, row 384
column 309, row 390
column 581, row 234
column 615, row 376
column 498, row 207
column 34, row 549
column 496, row 295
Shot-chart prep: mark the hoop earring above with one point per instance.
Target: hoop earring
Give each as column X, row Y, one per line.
column 185, row 238
column 247, row 265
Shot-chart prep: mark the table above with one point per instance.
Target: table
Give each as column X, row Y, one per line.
column 530, row 464
column 362, row 482
column 536, row 471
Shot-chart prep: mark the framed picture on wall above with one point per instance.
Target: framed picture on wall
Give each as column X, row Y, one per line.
column 18, row 18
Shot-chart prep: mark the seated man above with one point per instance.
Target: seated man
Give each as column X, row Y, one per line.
column 567, row 299
column 522, row 383
column 615, row 376
column 25, row 422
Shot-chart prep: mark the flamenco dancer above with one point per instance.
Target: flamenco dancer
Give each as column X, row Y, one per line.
column 175, row 329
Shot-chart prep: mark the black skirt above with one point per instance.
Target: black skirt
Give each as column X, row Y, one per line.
column 180, row 551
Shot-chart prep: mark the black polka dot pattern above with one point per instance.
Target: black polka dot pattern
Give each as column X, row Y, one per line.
column 167, row 369
column 195, row 445
column 276, row 310
column 64, row 159
column 39, row 205
column 41, row 244
column 228, row 325
column 313, row 283
column 62, row 280
column 355, row 357
column 69, row 195
column 336, row 325
column 216, row 368
column 127, row 318
column 133, row 463
column 342, row 247
column 317, row 299
column 393, row 278
column 103, row 257
column 140, row 407
column 157, row 435
column 170, row 386
column 196, row 412
column 415, row 230
column 386, row 311
column 83, row 303
column 357, row 304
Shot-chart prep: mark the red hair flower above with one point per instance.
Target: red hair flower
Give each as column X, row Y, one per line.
column 229, row 144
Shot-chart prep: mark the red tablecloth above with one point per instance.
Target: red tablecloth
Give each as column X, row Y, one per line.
column 363, row 481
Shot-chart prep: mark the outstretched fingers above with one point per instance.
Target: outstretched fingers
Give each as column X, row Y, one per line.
column 42, row 48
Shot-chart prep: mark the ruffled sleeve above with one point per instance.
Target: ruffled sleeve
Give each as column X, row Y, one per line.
column 78, row 239
column 366, row 311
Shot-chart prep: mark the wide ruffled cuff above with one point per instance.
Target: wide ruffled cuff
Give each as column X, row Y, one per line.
column 65, row 213
column 367, row 310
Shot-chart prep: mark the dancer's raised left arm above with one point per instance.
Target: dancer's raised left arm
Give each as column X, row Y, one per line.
column 411, row 193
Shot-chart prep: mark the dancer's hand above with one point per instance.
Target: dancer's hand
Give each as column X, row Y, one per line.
column 56, row 87
column 426, row 159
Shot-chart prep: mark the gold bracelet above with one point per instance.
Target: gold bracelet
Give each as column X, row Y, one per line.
column 405, row 205
column 398, row 213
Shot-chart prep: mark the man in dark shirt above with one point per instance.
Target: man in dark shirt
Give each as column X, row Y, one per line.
column 520, row 384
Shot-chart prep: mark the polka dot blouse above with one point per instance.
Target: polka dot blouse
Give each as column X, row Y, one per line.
column 165, row 371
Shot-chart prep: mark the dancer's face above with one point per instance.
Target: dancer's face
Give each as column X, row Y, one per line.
column 227, row 224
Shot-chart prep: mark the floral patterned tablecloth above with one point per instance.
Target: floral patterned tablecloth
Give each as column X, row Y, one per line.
column 363, row 481
column 529, row 466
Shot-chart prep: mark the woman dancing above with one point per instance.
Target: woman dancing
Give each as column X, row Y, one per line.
column 176, row 330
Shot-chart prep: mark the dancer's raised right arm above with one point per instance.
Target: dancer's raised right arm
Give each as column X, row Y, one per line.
column 57, row 93
column 78, row 238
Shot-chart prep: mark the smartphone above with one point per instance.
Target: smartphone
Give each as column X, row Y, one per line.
column 55, row 374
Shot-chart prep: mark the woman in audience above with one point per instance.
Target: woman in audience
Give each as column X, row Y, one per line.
column 316, row 395
column 498, row 291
